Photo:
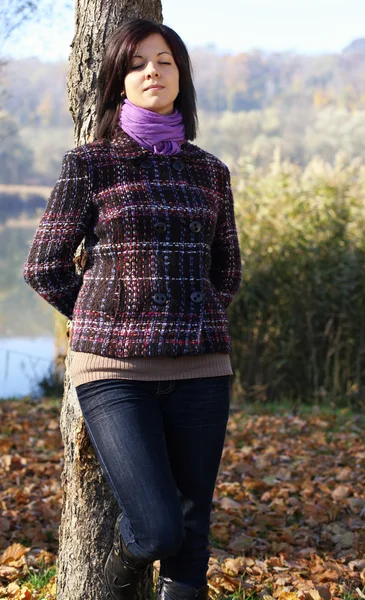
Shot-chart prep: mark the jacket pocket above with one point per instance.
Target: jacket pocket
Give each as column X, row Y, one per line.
column 117, row 298
column 118, row 291
column 215, row 298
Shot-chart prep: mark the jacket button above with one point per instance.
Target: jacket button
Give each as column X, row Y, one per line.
column 195, row 226
column 147, row 164
column 160, row 227
column 197, row 296
column 178, row 165
column 160, row 298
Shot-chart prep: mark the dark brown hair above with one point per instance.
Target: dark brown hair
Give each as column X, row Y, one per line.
column 117, row 59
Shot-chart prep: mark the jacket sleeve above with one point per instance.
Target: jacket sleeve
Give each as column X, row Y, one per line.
column 226, row 268
column 49, row 267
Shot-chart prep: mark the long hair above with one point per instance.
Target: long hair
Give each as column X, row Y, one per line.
column 117, row 59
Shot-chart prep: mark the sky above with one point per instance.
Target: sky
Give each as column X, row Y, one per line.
column 302, row 26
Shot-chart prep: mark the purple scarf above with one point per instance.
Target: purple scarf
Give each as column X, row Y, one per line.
column 161, row 134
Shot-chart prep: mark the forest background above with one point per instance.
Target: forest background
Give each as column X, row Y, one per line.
column 250, row 103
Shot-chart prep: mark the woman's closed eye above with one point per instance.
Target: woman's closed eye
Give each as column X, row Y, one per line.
column 140, row 66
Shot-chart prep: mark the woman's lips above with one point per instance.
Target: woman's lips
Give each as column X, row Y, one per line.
column 155, row 87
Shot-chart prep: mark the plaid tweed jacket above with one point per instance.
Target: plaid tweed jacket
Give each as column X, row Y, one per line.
column 163, row 253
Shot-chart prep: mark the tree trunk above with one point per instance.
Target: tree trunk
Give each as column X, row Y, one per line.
column 89, row 508
column 95, row 21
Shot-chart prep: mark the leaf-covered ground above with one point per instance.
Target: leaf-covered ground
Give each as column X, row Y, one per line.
column 288, row 515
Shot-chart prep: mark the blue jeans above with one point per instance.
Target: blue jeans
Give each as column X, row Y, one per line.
column 159, row 444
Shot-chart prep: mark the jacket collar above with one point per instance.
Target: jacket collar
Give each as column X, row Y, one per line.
column 131, row 149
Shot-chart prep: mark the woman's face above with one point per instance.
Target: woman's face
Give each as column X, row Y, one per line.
column 153, row 79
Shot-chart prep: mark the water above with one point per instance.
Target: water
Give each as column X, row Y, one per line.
column 23, row 363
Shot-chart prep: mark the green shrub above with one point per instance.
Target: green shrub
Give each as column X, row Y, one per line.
column 297, row 323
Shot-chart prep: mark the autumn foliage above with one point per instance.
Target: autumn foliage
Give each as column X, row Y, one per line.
column 288, row 516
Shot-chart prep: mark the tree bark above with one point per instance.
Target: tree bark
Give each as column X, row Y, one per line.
column 89, row 508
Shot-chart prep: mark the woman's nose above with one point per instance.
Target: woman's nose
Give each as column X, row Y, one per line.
column 152, row 70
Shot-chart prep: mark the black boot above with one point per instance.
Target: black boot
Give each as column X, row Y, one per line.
column 122, row 570
column 172, row 590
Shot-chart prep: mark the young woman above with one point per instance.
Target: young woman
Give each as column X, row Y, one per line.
column 150, row 343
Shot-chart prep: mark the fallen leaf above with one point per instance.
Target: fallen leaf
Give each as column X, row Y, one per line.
column 24, row 594
column 324, row 592
column 312, row 595
column 9, row 573
column 5, row 524
column 345, row 540
column 286, row 595
column 357, row 565
column 340, row 492
column 13, row 552
column 234, row 566
column 240, row 543
column 228, row 503
column 12, row 589
column 344, row 474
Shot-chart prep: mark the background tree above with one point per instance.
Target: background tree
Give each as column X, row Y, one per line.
column 13, row 13
column 89, row 508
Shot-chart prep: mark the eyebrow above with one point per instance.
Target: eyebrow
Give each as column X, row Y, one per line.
column 158, row 54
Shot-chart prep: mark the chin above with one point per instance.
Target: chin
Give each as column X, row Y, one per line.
column 157, row 108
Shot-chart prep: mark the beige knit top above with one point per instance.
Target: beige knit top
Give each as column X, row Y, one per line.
column 87, row 367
